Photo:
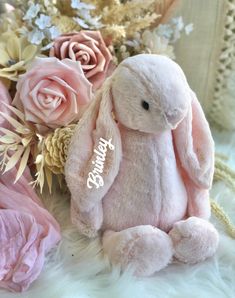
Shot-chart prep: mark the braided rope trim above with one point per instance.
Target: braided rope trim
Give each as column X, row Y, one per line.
column 225, row 65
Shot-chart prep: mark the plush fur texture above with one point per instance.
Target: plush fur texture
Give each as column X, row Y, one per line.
column 158, row 175
column 78, row 268
column 145, row 248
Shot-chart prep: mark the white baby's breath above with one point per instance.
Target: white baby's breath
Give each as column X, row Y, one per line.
column 165, row 30
column 32, row 12
column 43, row 21
column 36, row 36
column 178, row 23
column 81, row 22
column 172, row 31
column 77, row 4
column 188, row 29
column 84, row 18
column 95, row 22
column 156, row 44
column 53, row 32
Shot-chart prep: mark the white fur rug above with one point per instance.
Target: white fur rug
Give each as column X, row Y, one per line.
column 78, row 269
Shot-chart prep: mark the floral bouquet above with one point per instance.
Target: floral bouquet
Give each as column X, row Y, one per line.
column 54, row 56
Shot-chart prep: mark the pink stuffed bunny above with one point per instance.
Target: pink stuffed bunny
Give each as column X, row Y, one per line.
column 140, row 166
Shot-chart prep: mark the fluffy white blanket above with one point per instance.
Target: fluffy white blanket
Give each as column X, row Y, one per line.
column 78, row 269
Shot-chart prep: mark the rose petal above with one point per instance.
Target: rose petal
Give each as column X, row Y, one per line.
column 64, row 50
column 52, row 91
column 62, row 83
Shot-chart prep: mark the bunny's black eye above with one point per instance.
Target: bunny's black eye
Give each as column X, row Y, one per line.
column 145, row 105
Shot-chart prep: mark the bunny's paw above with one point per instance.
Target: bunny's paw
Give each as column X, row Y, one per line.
column 144, row 249
column 194, row 240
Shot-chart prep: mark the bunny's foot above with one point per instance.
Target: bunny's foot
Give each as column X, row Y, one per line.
column 194, row 240
column 145, row 249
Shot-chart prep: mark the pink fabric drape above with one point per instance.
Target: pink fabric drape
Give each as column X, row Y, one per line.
column 27, row 230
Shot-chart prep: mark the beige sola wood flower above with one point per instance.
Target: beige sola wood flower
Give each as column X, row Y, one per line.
column 15, row 53
column 56, row 148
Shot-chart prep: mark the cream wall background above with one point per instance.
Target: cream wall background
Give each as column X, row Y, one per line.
column 202, row 57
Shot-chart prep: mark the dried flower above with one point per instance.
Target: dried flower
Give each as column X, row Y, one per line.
column 38, row 26
column 56, row 148
column 125, row 17
column 155, row 44
column 65, row 24
column 15, row 54
column 77, row 4
column 11, row 21
column 15, row 142
column 32, row 12
column 43, row 21
column 172, row 31
column 36, row 36
column 188, row 28
column 83, row 15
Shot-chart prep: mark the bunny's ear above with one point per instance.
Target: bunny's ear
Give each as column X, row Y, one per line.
column 95, row 152
column 195, row 146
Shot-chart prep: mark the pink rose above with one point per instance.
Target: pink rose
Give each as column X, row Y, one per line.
column 52, row 92
column 89, row 48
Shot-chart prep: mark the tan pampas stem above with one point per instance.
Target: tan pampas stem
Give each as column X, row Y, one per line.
column 223, row 218
column 124, row 19
column 224, row 173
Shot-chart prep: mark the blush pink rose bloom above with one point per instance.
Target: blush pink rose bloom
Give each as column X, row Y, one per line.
column 89, row 48
column 52, row 93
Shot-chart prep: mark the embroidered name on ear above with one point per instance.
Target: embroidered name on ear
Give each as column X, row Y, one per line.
column 94, row 177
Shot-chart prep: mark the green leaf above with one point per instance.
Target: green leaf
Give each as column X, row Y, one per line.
column 23, row 164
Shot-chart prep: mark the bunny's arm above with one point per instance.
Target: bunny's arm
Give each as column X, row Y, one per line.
column 88, row 223
column 195, row 150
